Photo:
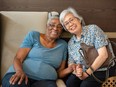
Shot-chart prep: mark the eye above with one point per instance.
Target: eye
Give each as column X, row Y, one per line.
column 59, row 26
column 66, row 23
column 52, row 25
column 71, row 20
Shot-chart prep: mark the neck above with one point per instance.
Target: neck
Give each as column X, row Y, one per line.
column 78, row 35
column 47, row 42
column 48, row 39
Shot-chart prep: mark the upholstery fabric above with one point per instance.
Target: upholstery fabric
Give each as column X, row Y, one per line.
column 15, row 26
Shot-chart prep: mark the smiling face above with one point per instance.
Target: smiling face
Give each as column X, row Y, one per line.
column 72, row 24
column 54, row 28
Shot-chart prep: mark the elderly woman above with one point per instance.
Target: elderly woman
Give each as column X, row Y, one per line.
column 91, row 35
column 39, row 58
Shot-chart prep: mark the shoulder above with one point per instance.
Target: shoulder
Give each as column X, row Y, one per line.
column 92, row 25
column 33, row 32
column 93, row 28
column 61, row 41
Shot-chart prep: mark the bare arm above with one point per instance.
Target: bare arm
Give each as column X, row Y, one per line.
column 63, row 71
column 101, row 58
column 18, row 60
column 103, row 55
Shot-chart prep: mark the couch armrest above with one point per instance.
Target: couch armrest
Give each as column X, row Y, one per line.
column 60, row 83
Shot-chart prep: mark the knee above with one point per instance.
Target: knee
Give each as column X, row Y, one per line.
column 90, row 84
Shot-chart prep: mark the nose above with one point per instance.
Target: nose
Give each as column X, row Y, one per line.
column 55, row 28
column 70, row 23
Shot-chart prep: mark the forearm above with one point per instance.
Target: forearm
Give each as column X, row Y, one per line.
column 96, row 64
column 17, row 65
column 19, row 76
column 64, row 72
column 103, row 55
column 19, row 58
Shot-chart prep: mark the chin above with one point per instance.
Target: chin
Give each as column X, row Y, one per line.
column 55, row 37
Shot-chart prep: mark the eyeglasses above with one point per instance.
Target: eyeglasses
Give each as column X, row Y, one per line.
column 59, row 26
column 66, row 23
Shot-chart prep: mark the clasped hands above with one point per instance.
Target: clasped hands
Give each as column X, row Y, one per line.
column 78, row 71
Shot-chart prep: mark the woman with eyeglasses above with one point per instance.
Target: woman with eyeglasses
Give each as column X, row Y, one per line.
column 41, row 58
column 91, row 35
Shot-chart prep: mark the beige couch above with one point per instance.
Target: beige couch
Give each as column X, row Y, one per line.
column 15, row 26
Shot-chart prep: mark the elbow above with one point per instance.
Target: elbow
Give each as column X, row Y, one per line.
column 105, row 56
column 103, row 53
column 60, row 75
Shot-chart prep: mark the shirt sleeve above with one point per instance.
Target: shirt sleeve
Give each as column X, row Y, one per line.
column 70, row 59
column 100, row 38
column 28, row 41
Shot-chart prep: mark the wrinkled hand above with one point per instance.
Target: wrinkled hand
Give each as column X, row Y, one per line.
column 19, row 76
column 84, row 76
column 72, row 67
column 79, row 71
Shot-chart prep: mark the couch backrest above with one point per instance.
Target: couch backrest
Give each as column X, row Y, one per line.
column 15, row 26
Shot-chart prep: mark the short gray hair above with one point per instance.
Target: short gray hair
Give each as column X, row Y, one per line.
column 72, row 11
column 52, row 15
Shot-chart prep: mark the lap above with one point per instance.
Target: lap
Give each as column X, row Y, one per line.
column 74, row 81
column 31, row 82
column 44, row 83
column 6, row 83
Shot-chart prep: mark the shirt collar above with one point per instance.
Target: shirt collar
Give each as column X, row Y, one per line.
column 84, row 31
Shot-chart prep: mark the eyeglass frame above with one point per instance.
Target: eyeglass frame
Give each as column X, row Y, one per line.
column 51, row 25
column 69, row 21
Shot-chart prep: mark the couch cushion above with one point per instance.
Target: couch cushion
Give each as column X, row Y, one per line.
column 15, row 26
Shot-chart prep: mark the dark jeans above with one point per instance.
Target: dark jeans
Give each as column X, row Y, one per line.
column 74, row 81
column 31, row 82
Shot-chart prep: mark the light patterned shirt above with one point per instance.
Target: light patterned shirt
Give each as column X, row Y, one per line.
column 91, row 35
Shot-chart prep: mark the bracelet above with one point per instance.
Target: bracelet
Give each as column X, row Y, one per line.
column 91, row 69
column 87, row 73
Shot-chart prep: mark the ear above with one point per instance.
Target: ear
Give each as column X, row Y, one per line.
column 78, row 19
